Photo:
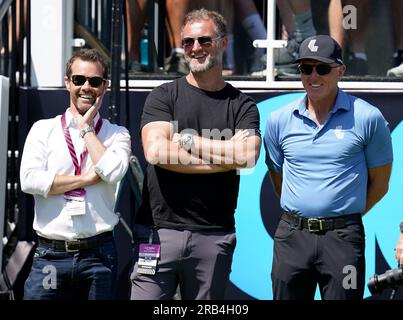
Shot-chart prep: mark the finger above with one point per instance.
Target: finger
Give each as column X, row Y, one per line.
column 98, row 102
column 90, row 114
column 398, row 254
column 241, row 134
column 237, row 133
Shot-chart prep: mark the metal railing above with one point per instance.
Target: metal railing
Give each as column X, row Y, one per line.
column 14, row 65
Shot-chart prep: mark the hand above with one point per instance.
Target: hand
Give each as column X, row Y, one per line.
column 240, row 135
column 97, row 104
column 86, row 120
column 176, row 137
column 91, row 177
column 399, row 250
column 239, row 140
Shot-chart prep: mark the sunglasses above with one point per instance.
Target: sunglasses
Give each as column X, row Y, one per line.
column 203, row 41
column 321, row 69
column 94, row 82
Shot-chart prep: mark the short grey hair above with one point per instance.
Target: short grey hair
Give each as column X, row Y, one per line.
column 204, row 14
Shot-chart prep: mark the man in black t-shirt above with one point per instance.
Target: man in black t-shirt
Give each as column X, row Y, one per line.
column 197, row 132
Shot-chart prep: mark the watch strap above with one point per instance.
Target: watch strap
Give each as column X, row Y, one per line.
column 83, row 132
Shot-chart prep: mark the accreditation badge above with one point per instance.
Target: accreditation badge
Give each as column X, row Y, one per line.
column 148, row 258
column 75, row 202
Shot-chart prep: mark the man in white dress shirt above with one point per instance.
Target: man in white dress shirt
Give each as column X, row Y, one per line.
column 71, row 164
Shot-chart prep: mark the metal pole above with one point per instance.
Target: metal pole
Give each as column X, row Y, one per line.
column 116, row 60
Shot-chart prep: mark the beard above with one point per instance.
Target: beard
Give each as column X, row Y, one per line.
column 209, row 63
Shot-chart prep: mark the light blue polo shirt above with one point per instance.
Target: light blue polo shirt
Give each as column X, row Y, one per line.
column 325, row 169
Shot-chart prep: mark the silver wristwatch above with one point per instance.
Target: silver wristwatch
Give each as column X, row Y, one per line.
column 186, row 141
column 83, row 132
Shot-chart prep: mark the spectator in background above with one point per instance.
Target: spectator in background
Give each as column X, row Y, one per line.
column 397, row 14
column 136, row 11
column 252, row 22
column 357, row 59
column 176, row 11
column 297, row 19
column 302, row 26
column 335, row 19
column 136, row 15
column 354, row 40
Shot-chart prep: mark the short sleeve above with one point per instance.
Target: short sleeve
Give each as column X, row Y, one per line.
column 248, row 117
column 272, row 145
column 378, row 147
column 157, row 107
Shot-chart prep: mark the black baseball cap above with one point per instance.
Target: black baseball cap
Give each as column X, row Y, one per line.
column 321, row 48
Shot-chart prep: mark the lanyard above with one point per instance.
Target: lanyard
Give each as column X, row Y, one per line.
column 70, row 146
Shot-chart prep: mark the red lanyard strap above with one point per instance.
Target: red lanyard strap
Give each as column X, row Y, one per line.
column 70, row 146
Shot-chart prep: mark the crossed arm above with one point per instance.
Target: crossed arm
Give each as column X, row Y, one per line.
column 64, row 183
column 161, row 148
column 37, row 178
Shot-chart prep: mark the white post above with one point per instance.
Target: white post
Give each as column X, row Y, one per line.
column 51, row 40
column 4, row 96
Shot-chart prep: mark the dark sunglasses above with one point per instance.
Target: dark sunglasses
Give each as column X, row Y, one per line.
column 321, row 69
column 203, row 41
column 79, row 80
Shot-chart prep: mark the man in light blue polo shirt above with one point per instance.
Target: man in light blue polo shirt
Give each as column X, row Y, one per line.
column 330, row 156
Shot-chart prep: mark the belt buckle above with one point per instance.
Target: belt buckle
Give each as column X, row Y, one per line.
column 314, row 225
column 73, row 243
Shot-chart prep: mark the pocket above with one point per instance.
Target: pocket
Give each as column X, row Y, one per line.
column 108, row 254
column 283, row 231
column 40, row 252
column 353, row 233
column 229, row 240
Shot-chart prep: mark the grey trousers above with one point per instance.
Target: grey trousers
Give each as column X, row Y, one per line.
column 198, row 261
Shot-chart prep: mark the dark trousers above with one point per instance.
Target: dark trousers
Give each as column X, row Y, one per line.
column 332, row 259
column 84, row 275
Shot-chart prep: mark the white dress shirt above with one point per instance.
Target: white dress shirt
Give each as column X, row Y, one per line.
column 46, row 155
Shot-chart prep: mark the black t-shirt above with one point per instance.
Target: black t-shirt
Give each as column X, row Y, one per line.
column 194, row 201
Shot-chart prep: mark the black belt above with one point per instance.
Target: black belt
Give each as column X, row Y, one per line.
column 320, row 224
column 75, row 245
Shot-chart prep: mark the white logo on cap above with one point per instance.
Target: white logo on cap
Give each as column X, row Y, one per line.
column 312, row 46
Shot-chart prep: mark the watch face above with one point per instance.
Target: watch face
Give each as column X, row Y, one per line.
column 401, row 227
column 187, row 141
column 83, row 132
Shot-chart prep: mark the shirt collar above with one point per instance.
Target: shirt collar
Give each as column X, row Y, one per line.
column 342, row 102
column 71, row 124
